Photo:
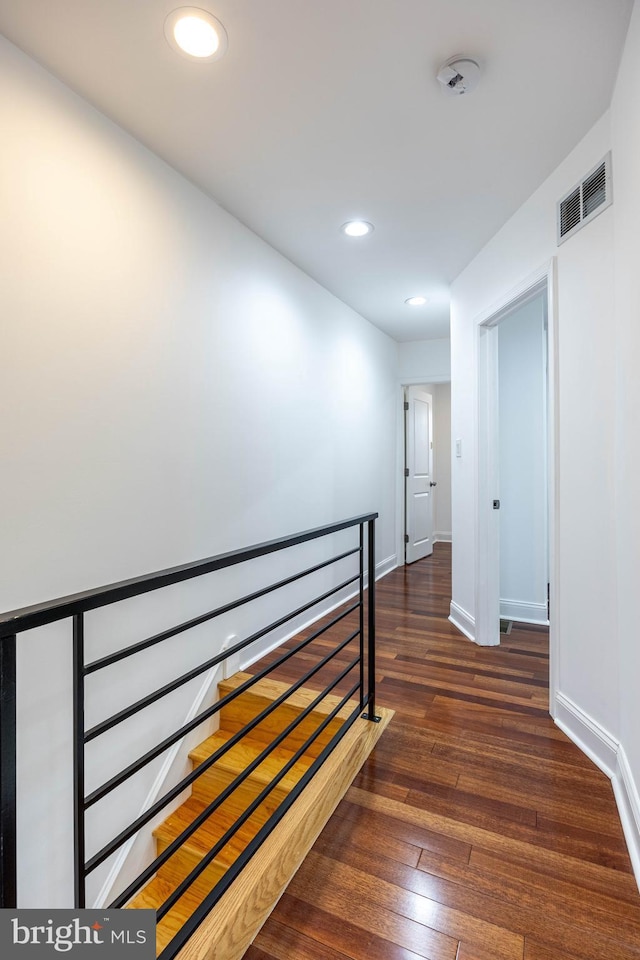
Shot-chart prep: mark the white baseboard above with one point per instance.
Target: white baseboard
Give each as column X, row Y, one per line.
column 463, row 621
column 628, row 800
column 523, row 612
column 385, row 566
column 442, row 536
column 587, row 734
column 609, row 755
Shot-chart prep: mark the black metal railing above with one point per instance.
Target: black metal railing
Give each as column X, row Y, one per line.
column 357, row 676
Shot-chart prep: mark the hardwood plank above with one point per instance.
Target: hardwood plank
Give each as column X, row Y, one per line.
column 403, row 829
column 537, row 951
column 337, row 878
column 367, row 915
column 317, row 929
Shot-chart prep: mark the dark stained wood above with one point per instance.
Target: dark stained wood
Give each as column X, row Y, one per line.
column 476, row 830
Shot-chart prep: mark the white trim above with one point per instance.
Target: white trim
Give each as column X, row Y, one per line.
column 462, row 621
column 383, row 567
column 523, row 612
column 587, row 734
column 420, row 381
column 442, row 537
column 628, row 800
column 487, row 547
column 609, row 755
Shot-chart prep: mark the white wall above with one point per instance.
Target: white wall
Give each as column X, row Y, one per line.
column 523, row 463
column 626, row 164
column 420, row 361
column 598, row 522
column 586, row 599
column 171, row 388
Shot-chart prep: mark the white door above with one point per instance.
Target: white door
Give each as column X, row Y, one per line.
column 419, row 481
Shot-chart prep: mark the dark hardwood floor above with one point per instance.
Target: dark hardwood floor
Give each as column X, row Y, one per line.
column 476, row 830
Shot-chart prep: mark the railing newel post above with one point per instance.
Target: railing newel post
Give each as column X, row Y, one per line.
column 371, row 622
column 78, row 761
column 8, row 803
column 361, row 598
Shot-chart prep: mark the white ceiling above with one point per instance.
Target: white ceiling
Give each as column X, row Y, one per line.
column 325, row 111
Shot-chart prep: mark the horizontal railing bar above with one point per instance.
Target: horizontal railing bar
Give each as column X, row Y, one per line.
column 205, row 715
column 202, row 911
column 37, row 615
column 210, row 615
column 209, row 857
column 204, row 815
column 175, row 791
column 141, row 704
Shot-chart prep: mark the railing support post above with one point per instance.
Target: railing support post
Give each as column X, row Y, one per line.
column 361, row 613
column 8, row 843
column 78, row 761
column 371, row 623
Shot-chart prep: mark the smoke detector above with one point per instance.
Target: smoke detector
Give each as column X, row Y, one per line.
column 459, row 75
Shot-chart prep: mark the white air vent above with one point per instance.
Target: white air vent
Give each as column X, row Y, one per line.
column 586, row 200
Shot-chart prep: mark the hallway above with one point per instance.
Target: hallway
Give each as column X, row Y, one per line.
column 476, row 830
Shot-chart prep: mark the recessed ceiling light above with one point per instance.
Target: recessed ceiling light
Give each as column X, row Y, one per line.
column 195, row 33
column 357, row 228
column 416, row 301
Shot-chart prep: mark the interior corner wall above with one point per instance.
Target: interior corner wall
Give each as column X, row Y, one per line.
column 171, row 388
column 588, row 667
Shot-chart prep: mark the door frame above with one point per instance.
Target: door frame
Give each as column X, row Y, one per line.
column 487, row 545
column 400, row 454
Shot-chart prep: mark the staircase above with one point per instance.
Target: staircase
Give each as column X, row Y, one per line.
column 237, row 917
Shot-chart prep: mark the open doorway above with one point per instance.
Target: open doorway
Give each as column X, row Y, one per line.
column 426, row 469
column 522, row 463
column 515, row 559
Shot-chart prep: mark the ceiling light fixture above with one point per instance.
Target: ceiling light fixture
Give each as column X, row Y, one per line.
column 196, row 34
column 357, row 228
column 416, row 301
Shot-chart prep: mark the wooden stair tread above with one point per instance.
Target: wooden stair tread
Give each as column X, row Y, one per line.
column 213, row 829
column 235, row 715
column 300, row 699
column 242, row 754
